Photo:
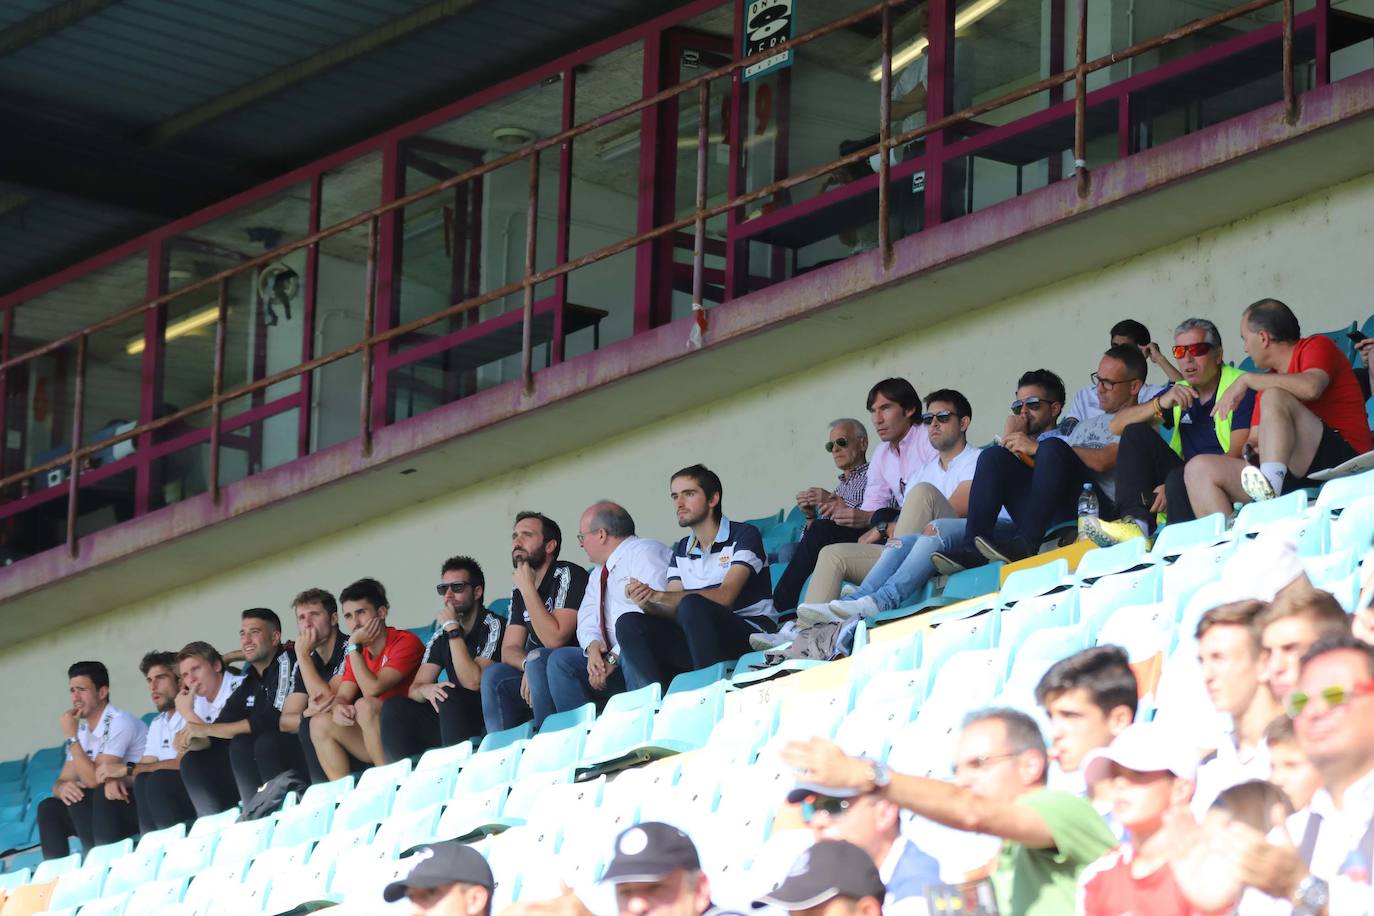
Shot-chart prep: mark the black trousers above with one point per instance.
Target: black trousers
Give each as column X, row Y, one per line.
column 208, row 776
column 1034, row 497
column 162, row 800
column 655, row 649
column 410, row 728
column 95, row 820
column 256, row 758
column 1143, row 462
column 819, row 534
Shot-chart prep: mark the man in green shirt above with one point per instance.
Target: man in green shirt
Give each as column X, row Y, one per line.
column 999, row 788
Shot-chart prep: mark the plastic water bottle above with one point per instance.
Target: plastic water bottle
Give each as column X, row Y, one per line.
column 1087, row 507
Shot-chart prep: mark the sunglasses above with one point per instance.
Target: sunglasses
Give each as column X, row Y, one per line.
column 1027, row 403
column 943, row 416
column 835, row 807
column 1195, row 349
column 836, row 443
column 1298, row 700
column 443, row 588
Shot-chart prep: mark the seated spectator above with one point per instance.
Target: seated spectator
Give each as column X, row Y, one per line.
column 543, row 616
column 1229, row 651
column 999, row 789
column 1314, row 405
column 1151, row 776
column 380, row 666
column 873, row 824
column 262, row 750
column 95, row 733
column 1125, row 333
column 718, row 591
column 1090, row 698
column 161, row 798
column 591, row 671
column 828, row 514
column 464, row 643
column 445, row 879
column 941, row 488
column 832, row 878
column 203, row 742
column 1046, row 493
column 320, row 656
column 1149, row 471
column 895, row 409
column 1289, row 768
column 1288, row 628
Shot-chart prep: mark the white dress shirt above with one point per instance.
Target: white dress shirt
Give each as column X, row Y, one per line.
column 209, row 710
column 1228, row 768
column 1337, row 842
column 635, row 558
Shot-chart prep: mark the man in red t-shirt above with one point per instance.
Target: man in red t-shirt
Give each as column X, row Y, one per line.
column 380, row 663
column 1309, row 414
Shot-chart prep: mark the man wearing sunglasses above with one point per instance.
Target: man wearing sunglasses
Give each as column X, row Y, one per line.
column 1324, row 862
column 464, row 643
column 1149, row 470
column 1312, row 402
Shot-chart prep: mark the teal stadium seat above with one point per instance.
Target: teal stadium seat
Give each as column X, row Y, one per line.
column 102, row 856
column 109, row 905
column 1354, row 530
column 363, row 805
column 424, row 788
column 405, row 830
column 1254, row 516
column 451, row 757
column 49, row 869
column 506, row 737
column 128, row 872
column 214, row 823
column 156, row 839
column 473, row 812
column 77, row 887
column 685, row 720
column 1174, row 539
column 643, row 698
column 327, row 793
column 614, row 734
column 302, row 825
column 15, row 877
column 333, row 843
column 550, row 752
column 186, row 857
column 155, row 896
column 1336, row 494
column 212, row 885
column 488, row 769
column 1104, row 561
column 240, row 842
column 702, row 677
column 1037, row 580
column 390, row 775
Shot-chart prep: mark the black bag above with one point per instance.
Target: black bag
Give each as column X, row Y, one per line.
column 269, row 798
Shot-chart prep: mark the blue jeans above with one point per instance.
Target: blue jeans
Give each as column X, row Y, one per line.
column 903, row 570
column 568, row 682
column 502, row 705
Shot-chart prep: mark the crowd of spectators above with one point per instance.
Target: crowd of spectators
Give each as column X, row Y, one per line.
column 1111, row 815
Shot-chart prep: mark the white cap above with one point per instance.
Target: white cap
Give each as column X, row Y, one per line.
column 1145, row 747
column 1261, row 568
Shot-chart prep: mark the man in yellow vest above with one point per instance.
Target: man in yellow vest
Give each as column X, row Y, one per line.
column 1149, row 467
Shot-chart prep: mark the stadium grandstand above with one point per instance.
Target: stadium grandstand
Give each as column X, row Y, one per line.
column 930, row 442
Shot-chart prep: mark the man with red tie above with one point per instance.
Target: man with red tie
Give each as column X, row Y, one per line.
column 591, row 671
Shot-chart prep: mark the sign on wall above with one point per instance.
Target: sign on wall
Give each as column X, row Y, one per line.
column 767, row 23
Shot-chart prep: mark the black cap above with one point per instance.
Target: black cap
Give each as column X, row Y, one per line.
column 438, row 864
column 831, row 868
column 648, row 851
column 804, row 790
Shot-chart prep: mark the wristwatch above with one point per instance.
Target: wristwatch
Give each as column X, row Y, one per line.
column 454, row 631
column 881, row 776
column 882, row 528
column 1311, row 897
column 67, row 743
column 350, row 648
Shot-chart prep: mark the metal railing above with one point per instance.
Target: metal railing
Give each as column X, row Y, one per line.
column 887, row 141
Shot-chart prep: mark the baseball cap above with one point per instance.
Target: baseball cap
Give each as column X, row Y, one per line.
column 438, row 864
column 1145, row 747
column 648, row 851
column 830, row 868
column 800, row 792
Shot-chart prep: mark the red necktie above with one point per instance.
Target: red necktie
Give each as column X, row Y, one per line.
column 605, row 574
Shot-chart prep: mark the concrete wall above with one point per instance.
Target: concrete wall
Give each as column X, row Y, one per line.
column 765, row 442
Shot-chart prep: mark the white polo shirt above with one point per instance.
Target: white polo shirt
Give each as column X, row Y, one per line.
column 635, row 558
column 209, row 710
column 161, row 733
column 117, row 733
column 947, row 480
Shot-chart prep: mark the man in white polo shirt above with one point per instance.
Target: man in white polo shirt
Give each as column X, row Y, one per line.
column 592, row 670
column 95, row 732
column 718, row 592
column 162, row 799
column 206, row 687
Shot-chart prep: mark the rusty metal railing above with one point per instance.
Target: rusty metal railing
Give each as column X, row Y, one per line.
column 887, row 141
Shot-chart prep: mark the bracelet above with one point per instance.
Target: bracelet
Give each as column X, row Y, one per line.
column 1159, row 411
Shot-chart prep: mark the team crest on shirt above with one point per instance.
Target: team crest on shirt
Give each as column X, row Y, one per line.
column 724, row 558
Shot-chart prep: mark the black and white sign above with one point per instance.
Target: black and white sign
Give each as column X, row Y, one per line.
column 767, row 23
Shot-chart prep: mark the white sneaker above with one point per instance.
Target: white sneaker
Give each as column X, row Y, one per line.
column 1255, row 484
column 848, row 589
column 760, row 642
column 808, row 614
column 864, row 607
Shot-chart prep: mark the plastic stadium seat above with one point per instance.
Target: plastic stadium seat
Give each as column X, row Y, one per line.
column 1096, row 602
column 686, row 719
column 1054, row 609
column 1173, row 539
column 15, row 877
column 301, row 825
column 766, row 523
column 211, row 885
column 550, row 752
column 868, row 731
column 1254, row 516
column 130, row 871
column 273, row 862
column 614, row 734
column 361, row 806
column 953, row 636
column 109, row 905
column 740, row 734
column 405, row 830
column 390, row 775
column 505, row 738
column 213, row 823
column 77, row 886
column 1107, row 560
column 581, row 717
column 525, row 794
column 1332, row 567
column 815, row 712
column 48, row 758
column 186, row 857
column 246, row 897
column 488, row 769
column 156, row 839
column 327, row 793
column 1037, row 580
column 101, row 856
column 49, row 869
column 1130, row 623
column 240, row 842
column 1335, row 495
column 13, row 770
column 303, row 884
column 564, row 804
column 500, row 607
column 693, row 680
column 424, row 788
column 643, row 698
column 471, row 812
column 155, row 895
column 893, row 688
column 1355, row 528
column 451, row 757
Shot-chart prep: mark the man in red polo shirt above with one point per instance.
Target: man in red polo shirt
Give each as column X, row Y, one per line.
column 389, row 659
column 1309, row 414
